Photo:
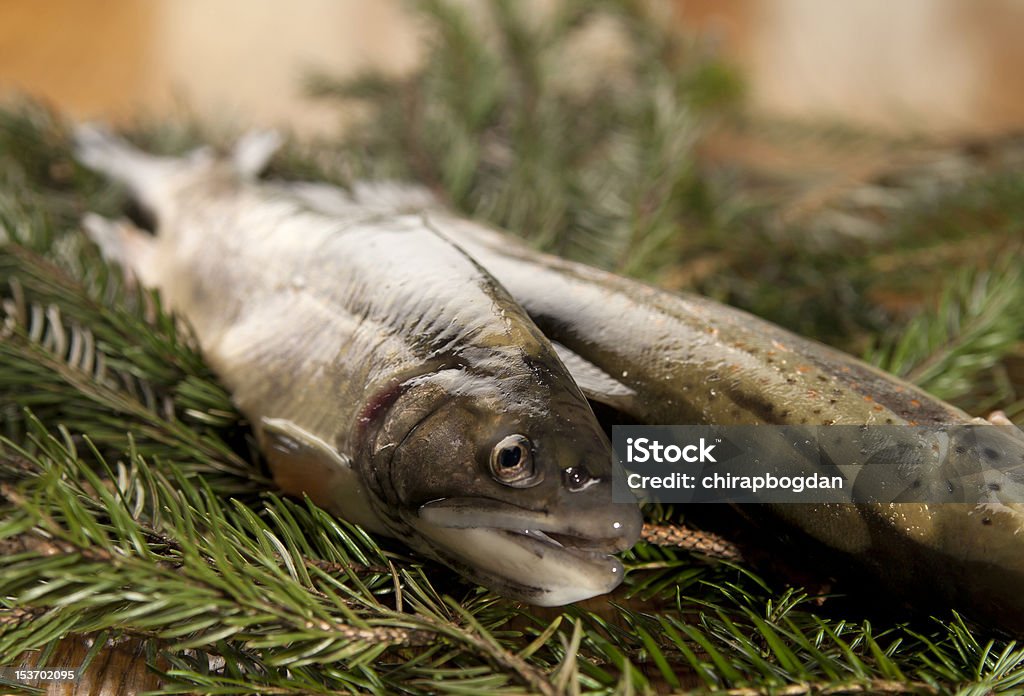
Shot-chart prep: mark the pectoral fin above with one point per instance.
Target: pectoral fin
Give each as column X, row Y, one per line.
column 290, row 440
column 596, row 384
column 305, row 464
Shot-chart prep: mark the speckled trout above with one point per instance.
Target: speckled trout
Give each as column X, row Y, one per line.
column 664, row 358
column 385, row 373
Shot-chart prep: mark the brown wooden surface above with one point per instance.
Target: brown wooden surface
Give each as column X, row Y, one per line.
column 119, row 669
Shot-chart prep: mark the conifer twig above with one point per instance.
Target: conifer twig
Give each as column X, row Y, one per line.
column 689, row 539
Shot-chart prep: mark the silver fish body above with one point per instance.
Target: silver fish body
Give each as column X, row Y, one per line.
column 385, row 373
column 663, row 358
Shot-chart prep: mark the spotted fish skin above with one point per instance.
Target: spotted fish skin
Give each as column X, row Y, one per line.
column 384, row 372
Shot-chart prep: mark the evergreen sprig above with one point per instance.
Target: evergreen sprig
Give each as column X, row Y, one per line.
column 154, row 553
column 74, row 356
column 978, row 321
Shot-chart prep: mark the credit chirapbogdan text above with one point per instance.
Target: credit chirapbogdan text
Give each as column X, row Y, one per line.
column 642, row 449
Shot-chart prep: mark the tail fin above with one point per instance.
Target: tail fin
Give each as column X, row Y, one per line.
column 149, row 177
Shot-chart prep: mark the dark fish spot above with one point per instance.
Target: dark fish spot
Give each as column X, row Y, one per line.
column 816, row 411
column 960, row 449
column 754, row 404
column 995, row 487
column 987, row 521
column 864, row 381
column 916, row 484
column 990, row 454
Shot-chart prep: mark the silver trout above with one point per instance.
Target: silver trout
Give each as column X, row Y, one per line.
column 385, row 373
column 663, row 359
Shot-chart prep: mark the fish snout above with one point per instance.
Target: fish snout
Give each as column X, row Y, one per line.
column 592, row 519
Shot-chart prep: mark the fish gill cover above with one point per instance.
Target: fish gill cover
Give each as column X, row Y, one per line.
column 135, row 517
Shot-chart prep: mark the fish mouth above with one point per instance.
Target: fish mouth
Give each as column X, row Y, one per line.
column 606, row 536
column 524, row 554
column 579, row 546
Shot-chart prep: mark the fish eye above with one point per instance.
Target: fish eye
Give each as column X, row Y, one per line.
column 512, row 462
column 578, row 478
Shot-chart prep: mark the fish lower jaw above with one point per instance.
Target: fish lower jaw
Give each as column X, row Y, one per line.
column 529, row 566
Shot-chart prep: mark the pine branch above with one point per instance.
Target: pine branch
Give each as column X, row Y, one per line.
column 978, row 321
column 691, row 540
column 105, row 567
column 106, row 367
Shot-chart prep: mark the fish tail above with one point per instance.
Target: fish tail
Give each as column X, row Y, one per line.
column 147, row 176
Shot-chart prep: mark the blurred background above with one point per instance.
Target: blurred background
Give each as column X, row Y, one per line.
column 921, row 66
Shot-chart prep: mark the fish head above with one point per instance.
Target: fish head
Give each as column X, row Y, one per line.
column 509, row 483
